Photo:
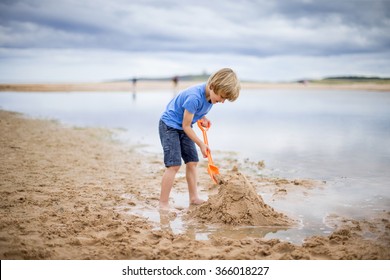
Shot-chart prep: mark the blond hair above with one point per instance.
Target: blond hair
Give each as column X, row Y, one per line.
column 225, row 83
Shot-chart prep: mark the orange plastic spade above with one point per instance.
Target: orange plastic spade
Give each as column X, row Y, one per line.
column 211, row 168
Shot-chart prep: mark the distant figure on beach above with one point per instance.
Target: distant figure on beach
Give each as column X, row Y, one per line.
column 134, row 87
column 303, row 82
column 179, row 140
column 175, row 81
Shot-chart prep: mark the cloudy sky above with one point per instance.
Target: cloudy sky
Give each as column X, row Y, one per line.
column 265, row 40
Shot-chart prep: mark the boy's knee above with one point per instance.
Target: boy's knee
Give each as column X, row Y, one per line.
column 191, row 164
column 174, row 168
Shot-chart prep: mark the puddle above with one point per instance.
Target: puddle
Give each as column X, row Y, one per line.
column 312, row 206
column 299, row 205
column 176, row 222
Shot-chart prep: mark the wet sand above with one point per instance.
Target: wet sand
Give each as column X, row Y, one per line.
column 70, row 193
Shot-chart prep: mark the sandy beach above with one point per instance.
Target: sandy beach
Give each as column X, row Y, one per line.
column 69, row 193
column 144, row 86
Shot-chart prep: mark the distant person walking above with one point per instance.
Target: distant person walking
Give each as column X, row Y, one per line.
column 134, row 84
column 134, row 87
column 175, row 81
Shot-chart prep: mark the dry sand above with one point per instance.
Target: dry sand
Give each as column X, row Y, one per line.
column 68, row 193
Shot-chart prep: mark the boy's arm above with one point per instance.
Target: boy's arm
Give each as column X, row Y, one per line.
column 187, row 121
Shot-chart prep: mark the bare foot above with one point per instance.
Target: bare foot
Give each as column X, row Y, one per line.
column 197, row 201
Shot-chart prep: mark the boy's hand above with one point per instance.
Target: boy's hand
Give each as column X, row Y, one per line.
column 205, row 150
column 205, row 122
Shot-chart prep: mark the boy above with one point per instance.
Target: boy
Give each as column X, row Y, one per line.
column 177, row 136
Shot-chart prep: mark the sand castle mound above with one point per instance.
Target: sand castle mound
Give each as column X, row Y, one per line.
column 237, row 203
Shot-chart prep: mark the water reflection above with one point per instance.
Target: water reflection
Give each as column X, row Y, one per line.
column 202, row 231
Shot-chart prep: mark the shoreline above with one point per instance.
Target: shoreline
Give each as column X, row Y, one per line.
column 144, row 86
column 71, row 193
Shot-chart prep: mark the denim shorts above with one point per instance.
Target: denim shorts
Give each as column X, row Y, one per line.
column 176, row 145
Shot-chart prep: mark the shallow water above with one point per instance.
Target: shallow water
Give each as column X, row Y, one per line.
column 341, row 137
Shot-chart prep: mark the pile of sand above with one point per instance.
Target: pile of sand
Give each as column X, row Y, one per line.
column 237, row 203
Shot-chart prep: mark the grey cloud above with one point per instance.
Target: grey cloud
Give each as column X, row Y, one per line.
column 258, row 28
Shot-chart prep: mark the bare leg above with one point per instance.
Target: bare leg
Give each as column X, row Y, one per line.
column 166, row 185
column 192, row 181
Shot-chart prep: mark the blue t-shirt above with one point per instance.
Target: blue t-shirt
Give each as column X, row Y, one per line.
column 193, row 100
